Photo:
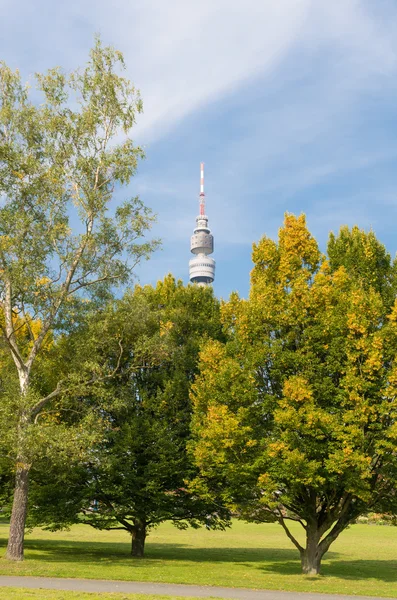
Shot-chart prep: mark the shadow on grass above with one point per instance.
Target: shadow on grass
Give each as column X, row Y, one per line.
column 381, row 570
column 63, row 550
column 384, row 570
column 268, row 560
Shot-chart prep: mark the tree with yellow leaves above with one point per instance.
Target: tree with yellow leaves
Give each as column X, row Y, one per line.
column 295, row 417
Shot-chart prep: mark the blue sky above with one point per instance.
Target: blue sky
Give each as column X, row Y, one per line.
column 291, row 104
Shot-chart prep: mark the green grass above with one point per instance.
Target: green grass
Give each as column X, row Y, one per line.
column 362, row 561
column 31, row 594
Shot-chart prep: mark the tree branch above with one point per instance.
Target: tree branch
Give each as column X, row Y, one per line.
column 26, row 320
column 9, row 333
column 58, row 390
column 65, row 290
column 339, row 526
column 281, row 520
column 93, row 282
column 296, row 521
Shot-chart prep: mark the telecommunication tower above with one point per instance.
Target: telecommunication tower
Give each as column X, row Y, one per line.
column 202, row 266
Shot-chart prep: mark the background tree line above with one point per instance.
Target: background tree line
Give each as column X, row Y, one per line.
column 165, row 404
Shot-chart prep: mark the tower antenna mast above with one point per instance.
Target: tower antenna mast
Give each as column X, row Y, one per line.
column 202, row 193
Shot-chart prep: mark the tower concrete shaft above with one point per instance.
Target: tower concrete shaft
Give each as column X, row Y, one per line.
column 202, row 267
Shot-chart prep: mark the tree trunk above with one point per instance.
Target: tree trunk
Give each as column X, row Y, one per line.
column 19, row 511
column 20, row 501
column 312, row 554
column 138, row 535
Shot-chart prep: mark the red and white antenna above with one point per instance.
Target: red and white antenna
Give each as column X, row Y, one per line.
column 202, row 194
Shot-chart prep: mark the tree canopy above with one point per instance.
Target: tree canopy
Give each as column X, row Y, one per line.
column 295, row 415
column 62, row 159
column 136, row 475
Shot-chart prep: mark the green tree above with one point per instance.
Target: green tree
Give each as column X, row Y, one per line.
column 295, row 416
column 60, row 163
column 136, row 476
column 365, row 258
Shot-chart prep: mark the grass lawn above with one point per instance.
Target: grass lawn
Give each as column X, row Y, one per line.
column 362, row 561
column 30, row 594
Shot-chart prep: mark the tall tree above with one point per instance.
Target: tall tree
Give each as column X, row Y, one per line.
column 60, row 163
column 136, row 476
column 295, row 416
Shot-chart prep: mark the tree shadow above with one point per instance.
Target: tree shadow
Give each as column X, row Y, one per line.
column 382, row 570
column 268, row 560
column 52, row 550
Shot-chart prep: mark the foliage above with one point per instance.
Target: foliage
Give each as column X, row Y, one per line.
column 365, row 258
column 295, row 416
column 376, row 519
column 135, row 477
column 61, row 162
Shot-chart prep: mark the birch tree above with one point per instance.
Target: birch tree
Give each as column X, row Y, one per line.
column 63, row 160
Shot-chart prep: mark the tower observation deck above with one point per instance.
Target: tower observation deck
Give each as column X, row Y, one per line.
column 202, row 266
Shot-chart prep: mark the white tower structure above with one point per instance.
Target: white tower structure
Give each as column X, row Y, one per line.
column 202, row 266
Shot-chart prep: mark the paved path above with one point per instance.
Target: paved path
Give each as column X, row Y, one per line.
column 171, row 589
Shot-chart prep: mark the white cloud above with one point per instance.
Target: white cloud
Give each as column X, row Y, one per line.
column 189, row 53
column 180, row 53
column 184, row 54
column 310, row 76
